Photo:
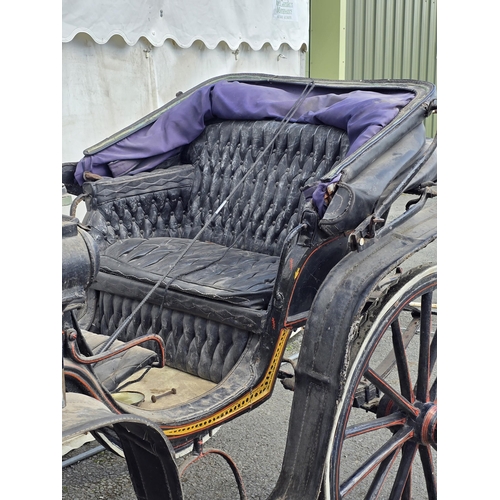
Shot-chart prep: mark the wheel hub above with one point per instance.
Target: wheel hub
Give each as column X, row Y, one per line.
column 424, row 424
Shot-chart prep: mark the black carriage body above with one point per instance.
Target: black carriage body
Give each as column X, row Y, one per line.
column 229, row 306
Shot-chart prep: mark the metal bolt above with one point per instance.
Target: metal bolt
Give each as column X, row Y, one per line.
column 158, row 396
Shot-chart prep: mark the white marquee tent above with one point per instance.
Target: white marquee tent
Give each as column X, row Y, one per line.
column 121, row 59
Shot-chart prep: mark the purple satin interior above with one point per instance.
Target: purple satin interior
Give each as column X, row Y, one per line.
column 360, row 113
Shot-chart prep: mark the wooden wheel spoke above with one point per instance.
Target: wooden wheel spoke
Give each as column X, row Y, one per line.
column 374, row 425
column 380, row 476
column 402, row 484
column 402, row 403
column 402, row 361
column 395, row 443
column 433, row 392
column 433, row 351
column 398, row 333
column 429, row 471
column 384, row 368
column 408, row 489
column 424, row 359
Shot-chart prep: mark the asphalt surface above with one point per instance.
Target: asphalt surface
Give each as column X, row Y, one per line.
column 255, row 441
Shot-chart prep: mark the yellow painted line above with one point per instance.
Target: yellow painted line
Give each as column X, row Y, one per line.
column 253, row 396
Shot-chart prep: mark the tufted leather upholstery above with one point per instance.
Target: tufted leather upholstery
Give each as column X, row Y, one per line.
column 263, row 210
column 195, row 345
column 143, row 206
column 178, row 201
column 207, row 270
column 143, row 223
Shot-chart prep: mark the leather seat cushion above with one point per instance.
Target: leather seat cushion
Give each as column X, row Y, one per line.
column 208, row 270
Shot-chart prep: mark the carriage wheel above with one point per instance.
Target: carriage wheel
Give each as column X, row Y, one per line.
column 384, row 443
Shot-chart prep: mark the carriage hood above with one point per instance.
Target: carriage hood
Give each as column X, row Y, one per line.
column 361, row 110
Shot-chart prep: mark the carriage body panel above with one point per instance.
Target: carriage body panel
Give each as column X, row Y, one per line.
column 219, row 217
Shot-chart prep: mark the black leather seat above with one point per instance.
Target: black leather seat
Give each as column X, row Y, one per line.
column 222, row 287
column 207, row 270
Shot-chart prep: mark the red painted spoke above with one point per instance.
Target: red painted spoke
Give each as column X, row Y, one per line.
column 383, row 386
column 433, row 350
column 380, row 476
column 385, row 367
column 395, row 443
column 374, row 425
column 424, row 359
column 402, row 484
column 433, row 392
column 402, row 362
column 429, row 471
column 390, row 470
column 407, row 491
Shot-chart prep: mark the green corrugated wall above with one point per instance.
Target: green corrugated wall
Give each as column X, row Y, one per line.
column 372, row 39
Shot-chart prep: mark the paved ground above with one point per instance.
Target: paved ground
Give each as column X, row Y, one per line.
column 256, row 442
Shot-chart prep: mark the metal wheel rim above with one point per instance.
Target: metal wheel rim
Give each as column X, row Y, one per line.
column 427, row 416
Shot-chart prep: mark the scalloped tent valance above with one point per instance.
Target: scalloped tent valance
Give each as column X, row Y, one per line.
column 255, row 22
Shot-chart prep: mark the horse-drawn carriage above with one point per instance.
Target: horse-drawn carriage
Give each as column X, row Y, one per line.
column 243, row 210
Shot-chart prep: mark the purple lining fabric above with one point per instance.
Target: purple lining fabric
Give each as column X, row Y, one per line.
column 360, row 113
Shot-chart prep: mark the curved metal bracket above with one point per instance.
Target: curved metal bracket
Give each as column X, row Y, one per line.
column 225, row 456
column 74, row 351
